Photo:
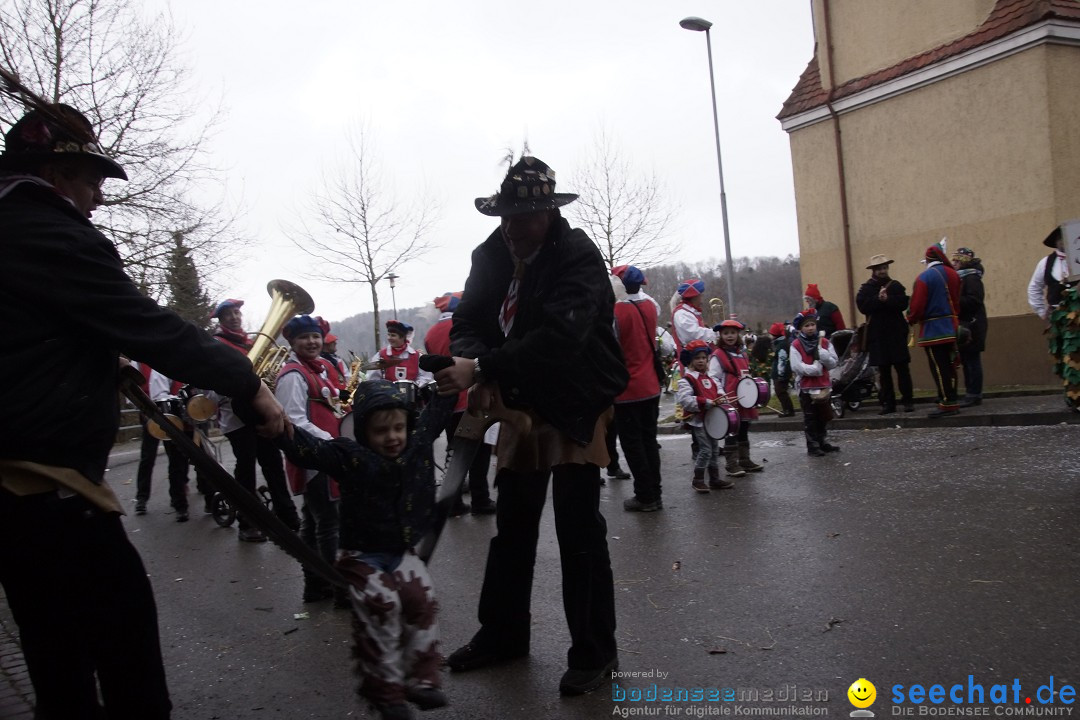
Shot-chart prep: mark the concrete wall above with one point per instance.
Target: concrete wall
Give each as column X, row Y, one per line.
column 880, row 33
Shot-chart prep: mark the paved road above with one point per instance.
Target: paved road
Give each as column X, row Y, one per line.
column 913, row 556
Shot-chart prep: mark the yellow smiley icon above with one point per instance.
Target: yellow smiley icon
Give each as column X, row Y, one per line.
column 862, row 693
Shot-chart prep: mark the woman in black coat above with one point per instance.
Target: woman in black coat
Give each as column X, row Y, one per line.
column 883, row 301
column 972, row 316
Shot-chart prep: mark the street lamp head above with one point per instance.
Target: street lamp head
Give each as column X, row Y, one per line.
column 695, row 23
column 392, row 278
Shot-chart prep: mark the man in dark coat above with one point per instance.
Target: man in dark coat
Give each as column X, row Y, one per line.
column 75, row 584
column 973, row 323
column 883, row 301
column 537, row 314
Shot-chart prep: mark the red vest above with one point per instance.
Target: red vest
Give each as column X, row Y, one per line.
column 336, row 373
column 703, row 387
column 637, row 335
column 675, row 328
column 810, row 382
column 319, row 413
column 407, row 369
column 735, row 367
column 437, row 342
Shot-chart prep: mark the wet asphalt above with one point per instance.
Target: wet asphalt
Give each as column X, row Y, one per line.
column 915, row 555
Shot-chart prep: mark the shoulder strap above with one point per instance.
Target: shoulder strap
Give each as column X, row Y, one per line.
column 644, row 327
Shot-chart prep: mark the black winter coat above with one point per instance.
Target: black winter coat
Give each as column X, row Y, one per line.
column 886, row 326
column 973, row 306
column 387, row 504
column 69, row 310
column 561, row 358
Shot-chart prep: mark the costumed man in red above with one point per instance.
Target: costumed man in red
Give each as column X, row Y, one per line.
column 399, row 360
column 437, row 342
column 248, row 446
column 336, row 368
column 687, row 323
column 935, row 300
column 637, row 407
column 305, row 392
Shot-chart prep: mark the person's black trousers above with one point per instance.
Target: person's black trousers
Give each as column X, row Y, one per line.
column 478, row 471
column 248, row 448
column 942, row 359
column 887, row 394
column 636, row 425
column 84, row 606
column 178, row 470
column 971, row 359
column 588, row 585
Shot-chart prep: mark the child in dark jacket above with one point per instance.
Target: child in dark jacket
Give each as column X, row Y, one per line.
column 387, row 480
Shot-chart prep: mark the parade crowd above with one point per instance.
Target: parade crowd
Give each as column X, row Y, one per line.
column 368, row 487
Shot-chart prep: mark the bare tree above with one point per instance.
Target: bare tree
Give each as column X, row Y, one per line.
column 362, row 233
column 624, row 212
column 121, row 70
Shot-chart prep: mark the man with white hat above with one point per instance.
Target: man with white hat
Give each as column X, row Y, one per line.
column 883, row 301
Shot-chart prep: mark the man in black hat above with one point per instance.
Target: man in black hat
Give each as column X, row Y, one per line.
column 1048, row 280
column 883, row 301
column 76, row 586
column 537, row 315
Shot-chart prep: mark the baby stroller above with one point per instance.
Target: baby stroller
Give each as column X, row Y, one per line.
column 853, row 377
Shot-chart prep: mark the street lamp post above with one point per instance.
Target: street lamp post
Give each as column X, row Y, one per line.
column 393, row 280
column 701, row 25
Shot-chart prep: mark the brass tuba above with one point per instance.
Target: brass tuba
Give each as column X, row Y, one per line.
column 266, row 356
column 714, row 312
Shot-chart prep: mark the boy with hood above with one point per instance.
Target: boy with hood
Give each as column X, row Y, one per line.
column 386, row 474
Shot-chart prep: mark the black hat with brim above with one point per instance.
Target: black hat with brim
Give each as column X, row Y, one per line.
column 1051, row 240
column 61, row 132
column 529, row 187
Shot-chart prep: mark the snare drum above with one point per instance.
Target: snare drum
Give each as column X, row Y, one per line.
column 752, row 392
column 720, row 421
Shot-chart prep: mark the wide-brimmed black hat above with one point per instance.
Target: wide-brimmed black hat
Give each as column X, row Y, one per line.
column 55, row 132
column 1051, row 240
column 529, row 186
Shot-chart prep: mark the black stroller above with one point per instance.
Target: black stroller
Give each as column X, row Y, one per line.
column 853, row 377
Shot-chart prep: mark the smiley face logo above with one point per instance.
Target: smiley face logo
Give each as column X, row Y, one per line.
column 862, row 693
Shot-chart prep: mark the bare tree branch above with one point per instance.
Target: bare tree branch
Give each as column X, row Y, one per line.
column 121, row 70
column 625, row 213
column 359, row 233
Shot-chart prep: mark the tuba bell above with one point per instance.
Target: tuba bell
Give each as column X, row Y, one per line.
column 714, row 312
column 266, row 356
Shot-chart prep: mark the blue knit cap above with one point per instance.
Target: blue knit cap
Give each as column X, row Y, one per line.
column 301, row 324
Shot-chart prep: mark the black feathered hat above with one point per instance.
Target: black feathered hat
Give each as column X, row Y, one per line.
column 529, row 186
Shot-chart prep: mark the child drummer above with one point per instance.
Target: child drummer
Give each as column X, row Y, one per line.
column 697, row 392
column 729, row 364
column 811, row 359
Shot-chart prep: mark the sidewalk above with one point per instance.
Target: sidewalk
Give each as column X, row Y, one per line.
column 1010, row 408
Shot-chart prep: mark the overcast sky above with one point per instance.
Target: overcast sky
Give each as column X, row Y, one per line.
column 444, row 88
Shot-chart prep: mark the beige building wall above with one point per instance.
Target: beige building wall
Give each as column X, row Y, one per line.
column 880, row 33
column 989, row 158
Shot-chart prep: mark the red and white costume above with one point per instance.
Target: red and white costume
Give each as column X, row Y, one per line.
column 304, row 394
column 729, row 368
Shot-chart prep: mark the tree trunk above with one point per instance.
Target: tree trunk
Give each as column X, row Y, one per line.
column 375, row 315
